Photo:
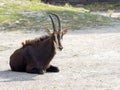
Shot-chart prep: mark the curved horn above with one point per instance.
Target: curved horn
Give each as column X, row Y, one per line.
column 59, row 23
column 53, row 24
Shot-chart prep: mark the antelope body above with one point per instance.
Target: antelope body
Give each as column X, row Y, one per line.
column 35, row 55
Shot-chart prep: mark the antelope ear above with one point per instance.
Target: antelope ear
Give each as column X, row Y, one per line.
column 65, row 30
column 48, row 31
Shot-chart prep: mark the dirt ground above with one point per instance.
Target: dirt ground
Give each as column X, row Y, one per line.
column 90, row 61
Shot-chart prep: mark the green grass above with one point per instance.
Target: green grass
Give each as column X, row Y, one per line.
column 33, row 15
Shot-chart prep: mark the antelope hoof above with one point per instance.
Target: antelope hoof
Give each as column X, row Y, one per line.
column 52, row 69
column 41, row 72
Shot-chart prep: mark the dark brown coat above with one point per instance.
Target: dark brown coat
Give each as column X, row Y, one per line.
column 35, row 55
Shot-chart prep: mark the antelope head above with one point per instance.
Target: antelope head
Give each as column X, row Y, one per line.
column 57, row 33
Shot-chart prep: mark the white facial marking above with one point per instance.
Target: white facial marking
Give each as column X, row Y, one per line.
column 56, row 40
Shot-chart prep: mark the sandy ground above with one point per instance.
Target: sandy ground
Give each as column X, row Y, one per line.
column 90, row 61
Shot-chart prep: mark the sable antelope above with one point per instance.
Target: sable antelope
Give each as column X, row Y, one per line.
column 35, row 55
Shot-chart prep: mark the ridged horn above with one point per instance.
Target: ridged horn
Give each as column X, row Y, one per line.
column 53, row 24
column 59, row 23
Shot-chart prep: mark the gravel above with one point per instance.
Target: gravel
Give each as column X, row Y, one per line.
column 90, row 61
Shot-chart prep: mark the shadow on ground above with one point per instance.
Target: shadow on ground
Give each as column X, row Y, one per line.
column 9, row 76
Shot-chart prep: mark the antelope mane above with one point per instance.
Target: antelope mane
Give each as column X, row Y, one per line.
column 35, row 41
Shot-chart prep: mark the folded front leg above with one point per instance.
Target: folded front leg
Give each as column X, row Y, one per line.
column 52, row 69
column 34, row 70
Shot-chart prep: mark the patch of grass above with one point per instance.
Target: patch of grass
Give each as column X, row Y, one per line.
column 33, row 15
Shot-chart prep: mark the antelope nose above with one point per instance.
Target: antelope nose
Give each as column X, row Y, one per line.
column 60, row 48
